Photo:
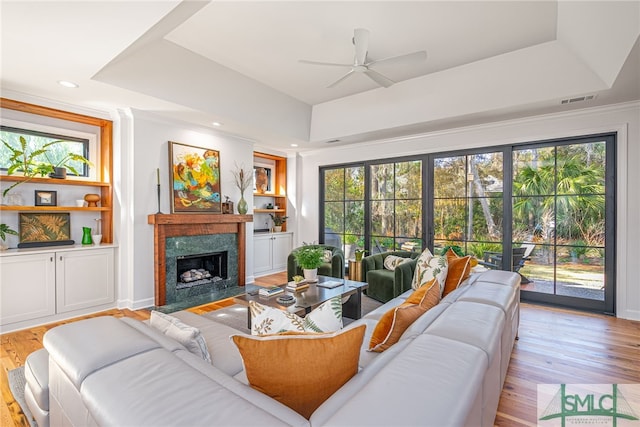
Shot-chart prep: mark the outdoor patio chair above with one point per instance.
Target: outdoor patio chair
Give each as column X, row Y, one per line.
column 493, row 260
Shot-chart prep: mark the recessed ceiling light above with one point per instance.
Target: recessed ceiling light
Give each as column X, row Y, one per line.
column 66, row 83
column 217, row 124
column 294, row 145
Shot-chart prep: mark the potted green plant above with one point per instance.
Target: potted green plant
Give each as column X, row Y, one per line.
column 4, row 230
column 278, row 220
column 309, row 258
column 28, row 162
column 359, row 254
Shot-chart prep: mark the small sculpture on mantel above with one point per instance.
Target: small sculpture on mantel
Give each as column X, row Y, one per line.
column 227, row 206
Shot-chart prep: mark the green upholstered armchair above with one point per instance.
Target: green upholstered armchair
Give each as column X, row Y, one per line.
column 334, row 268
column 384, row 284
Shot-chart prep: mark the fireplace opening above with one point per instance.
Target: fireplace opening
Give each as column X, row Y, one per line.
column 201, row 269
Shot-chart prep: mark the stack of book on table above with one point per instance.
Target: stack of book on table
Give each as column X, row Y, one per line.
column 270, row 291
column 297, row 286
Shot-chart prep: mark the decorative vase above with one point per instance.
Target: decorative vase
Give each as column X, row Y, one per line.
column 242, row 205
column 86, row 236
column 277, row 228
column 92, row 200
column 97, row 238
column 310, row 275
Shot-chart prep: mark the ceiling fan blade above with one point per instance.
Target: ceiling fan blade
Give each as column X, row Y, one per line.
column 340, row 79
column 331, row 64
column 379, row 78
column 415, row 56
column 361, row 43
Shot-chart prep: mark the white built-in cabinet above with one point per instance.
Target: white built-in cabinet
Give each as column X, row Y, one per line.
column 37, row 285
column 270, row 252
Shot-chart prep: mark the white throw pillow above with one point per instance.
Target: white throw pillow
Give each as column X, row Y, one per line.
column 429, row 266
column 392, row 261
column 186, row 335
column 327, row 255
column 327, row 317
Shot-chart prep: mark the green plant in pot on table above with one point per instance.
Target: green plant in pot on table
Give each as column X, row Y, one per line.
column 309, row 258
column 29, row 161
column 4, row 230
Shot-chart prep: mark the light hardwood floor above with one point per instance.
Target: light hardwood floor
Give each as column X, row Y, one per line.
column 555, row 346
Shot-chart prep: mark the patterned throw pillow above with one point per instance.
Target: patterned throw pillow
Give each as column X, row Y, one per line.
column 327, row 255
column 301, row 370
column 327, row 317
column 459, row 270
column 429, row 266
column 186, row 335
column 392, row 261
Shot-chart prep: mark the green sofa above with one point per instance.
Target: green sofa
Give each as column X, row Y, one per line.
column 384, row 285
column 334, row 268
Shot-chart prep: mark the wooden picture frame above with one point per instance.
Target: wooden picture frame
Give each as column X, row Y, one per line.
column 46, row 198
column 44, row 229
column 194, row 179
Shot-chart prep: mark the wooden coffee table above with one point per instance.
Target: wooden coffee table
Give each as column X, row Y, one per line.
column 312, row 297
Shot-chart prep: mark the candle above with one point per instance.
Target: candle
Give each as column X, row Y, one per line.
column 158, row 170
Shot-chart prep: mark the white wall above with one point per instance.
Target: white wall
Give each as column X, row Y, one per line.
column 144, row 149
column 624, row 119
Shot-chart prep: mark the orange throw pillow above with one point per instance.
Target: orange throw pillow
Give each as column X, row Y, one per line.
column 392, row 325
column 459, row 270
column 426, row 295
column 301, row 370
column 394, row 322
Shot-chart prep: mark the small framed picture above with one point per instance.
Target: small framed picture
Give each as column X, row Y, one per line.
column 46, row 198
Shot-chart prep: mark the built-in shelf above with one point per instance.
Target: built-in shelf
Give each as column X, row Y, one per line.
column 277, row 197
column 79, row 182
column 53, row 208
column 268, row 195
column 103, row 170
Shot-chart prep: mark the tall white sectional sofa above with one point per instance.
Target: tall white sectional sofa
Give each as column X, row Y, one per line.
column 447, row 370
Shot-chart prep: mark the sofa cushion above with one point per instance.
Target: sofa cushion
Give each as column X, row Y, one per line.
column 81, row 348
column 224, row 353
column 458, row 271
column 394, row 322
column 429, row 266
column 327, row 317
column 36, row 372
column 186, row 335
column 301, row 370
column 417, row 387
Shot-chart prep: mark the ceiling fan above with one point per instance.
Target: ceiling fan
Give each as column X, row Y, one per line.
column 362, row 63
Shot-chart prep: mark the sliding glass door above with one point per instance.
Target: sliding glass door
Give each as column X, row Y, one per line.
column 562, row 212
column 544, row 210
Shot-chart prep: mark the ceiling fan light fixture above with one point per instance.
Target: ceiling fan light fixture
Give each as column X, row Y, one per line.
column 362, row 63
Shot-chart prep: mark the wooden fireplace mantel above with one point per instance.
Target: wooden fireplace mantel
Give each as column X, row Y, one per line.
column 176, row 225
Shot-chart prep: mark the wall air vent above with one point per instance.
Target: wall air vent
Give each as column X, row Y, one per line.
column 333, row 141
column 578, row 99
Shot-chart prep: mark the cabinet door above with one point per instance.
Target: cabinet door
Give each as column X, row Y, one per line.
column 84, row 279
column 261, row 254
column 27, row 289
column 281, row 249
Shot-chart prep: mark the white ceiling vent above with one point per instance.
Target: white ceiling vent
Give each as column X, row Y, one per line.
column 578, row 99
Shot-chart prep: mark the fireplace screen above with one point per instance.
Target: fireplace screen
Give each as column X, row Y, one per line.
column 201, row 269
